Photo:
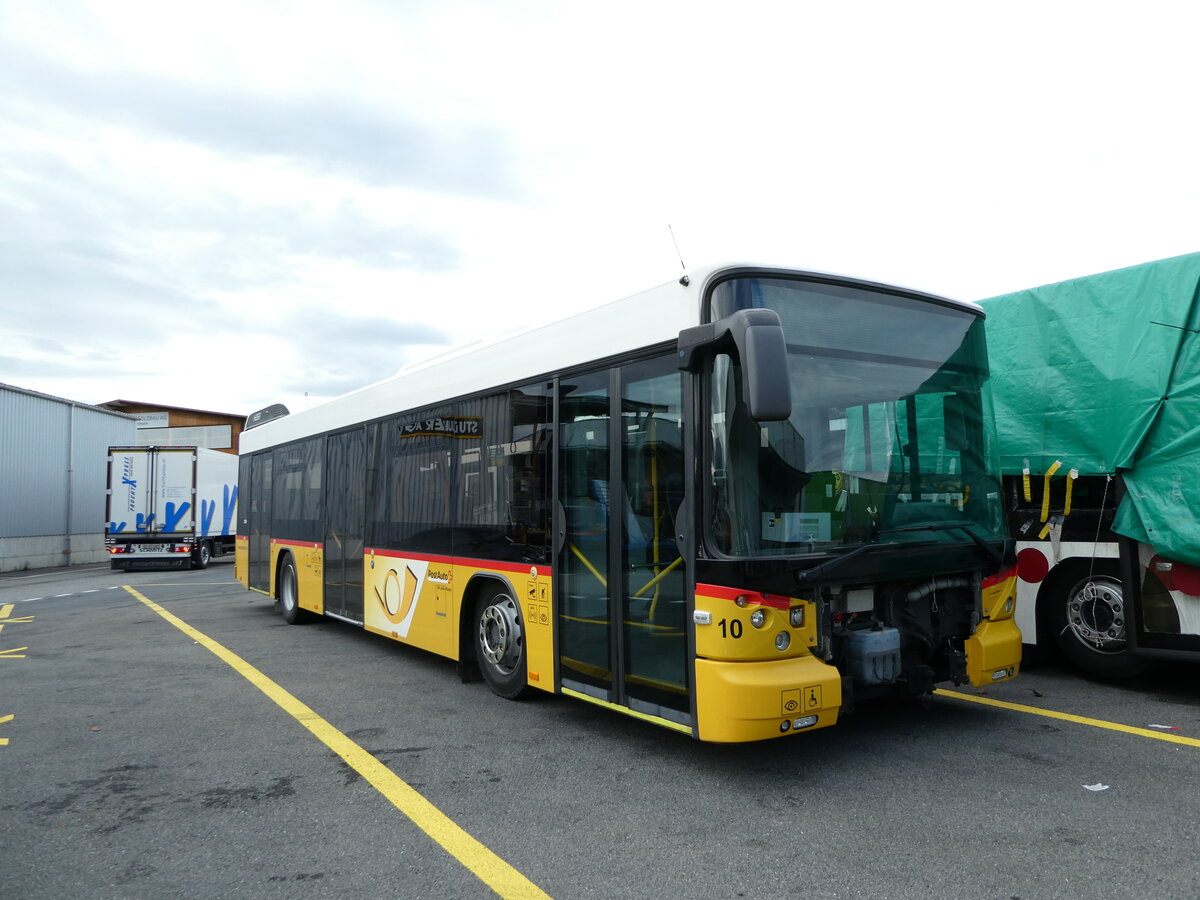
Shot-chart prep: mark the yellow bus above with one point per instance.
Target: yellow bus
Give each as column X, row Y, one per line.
column 728, row 505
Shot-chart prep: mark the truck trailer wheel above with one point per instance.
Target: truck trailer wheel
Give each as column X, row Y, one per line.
column 202, row 556
column 1089, row 621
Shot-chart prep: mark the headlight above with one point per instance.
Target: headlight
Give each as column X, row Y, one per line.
column 782, row 641
column 758, row 618
column 796, row 616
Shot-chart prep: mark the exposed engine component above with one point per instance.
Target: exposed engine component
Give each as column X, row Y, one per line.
column 909, row 635
column 873, row 655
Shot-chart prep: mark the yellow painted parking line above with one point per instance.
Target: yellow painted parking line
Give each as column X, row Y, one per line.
column 15, row 621
column 175, row 584
column 1068, row 717
column 482, row 862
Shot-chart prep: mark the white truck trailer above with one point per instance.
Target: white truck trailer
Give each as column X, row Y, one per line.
column 170, row 507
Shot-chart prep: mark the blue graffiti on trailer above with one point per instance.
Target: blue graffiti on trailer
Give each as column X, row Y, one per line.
column 173, row 515
column 143, row 524
column 209, row 507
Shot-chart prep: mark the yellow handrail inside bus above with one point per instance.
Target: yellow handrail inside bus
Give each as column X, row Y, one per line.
column 656, row 579
column 587, row 562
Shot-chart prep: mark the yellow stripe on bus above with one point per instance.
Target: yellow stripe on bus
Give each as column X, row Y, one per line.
column 1068, row 717
column 482, row 862
column 625, row 710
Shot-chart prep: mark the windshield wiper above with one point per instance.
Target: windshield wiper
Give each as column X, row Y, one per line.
column 951, row 526
column 819, row 570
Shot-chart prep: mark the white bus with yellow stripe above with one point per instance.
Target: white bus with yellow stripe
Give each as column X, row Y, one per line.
column 727, row 505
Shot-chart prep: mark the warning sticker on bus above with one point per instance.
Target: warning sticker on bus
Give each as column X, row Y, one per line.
column 805, row 699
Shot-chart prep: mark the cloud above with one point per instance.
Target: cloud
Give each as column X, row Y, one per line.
column 324, row 134
column 57, row 361
column 333, row 354
column 116, row 265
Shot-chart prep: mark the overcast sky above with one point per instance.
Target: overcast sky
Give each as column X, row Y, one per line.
column 228, row 205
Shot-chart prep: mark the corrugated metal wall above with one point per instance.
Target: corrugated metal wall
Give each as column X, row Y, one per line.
column 52, row 463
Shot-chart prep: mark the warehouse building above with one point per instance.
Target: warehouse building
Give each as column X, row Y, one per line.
column 53, row 478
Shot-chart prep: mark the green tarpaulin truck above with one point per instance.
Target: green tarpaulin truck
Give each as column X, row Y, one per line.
column 1096, row 385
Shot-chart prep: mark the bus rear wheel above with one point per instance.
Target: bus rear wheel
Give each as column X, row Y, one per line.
column 500, row 642
column 1089, row 623
column 289, row 593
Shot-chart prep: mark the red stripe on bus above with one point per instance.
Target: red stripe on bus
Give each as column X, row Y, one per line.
column 727, row 593
column 518, row 568
column 999, row 577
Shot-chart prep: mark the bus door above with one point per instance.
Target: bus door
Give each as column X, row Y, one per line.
column 622, row 629
column 259, row 562
column 345, row 515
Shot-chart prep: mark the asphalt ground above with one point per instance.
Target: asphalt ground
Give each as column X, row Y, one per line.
column 137, row 762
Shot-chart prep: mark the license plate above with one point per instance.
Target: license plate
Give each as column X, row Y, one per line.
column 151, row 548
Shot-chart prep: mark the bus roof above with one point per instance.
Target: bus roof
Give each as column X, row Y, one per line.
column 651, row 317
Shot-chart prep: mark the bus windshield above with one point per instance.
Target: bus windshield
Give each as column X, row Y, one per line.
column 890, row 437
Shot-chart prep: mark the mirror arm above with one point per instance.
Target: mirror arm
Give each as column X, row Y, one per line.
column 693, row 342
column 757, row 337
column 702, row 340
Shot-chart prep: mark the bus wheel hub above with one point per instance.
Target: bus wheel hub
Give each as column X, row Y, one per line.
column 500, row 634
column 1096, row 613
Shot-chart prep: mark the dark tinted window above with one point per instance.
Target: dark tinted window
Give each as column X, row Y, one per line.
column 296, row 490
column 466, row 479
column 412, row 483
column 502, row 477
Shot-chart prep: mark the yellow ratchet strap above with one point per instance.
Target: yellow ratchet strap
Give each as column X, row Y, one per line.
column 1054, row 467
column 1071, row 476
column 1025, row 482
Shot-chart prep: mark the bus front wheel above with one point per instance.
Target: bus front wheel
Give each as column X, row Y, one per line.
column 500, row 642
column 1089, row 622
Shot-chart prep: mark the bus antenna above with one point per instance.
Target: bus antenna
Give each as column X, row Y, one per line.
column 684, row 279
